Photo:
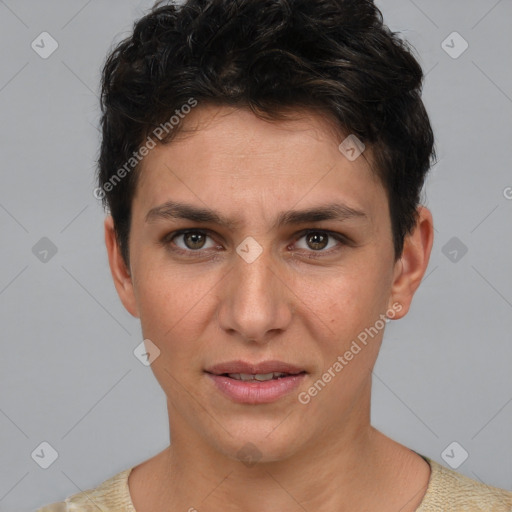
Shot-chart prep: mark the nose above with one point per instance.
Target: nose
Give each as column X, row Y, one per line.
column 255, row 302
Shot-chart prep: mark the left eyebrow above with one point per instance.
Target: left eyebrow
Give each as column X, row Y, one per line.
column 332, row 211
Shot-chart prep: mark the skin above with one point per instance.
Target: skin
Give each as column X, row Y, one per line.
column 320, row 456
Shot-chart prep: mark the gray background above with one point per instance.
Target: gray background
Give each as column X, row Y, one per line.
column 67, row 372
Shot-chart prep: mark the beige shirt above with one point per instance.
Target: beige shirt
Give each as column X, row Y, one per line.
column 447, row 491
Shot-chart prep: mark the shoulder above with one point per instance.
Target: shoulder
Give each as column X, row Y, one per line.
column 110, row 496
column 450, row 491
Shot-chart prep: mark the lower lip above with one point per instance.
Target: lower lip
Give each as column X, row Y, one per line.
column 256, row 392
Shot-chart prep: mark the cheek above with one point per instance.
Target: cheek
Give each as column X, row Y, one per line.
column 172, row 303
column 351, row 308
column 355, row 295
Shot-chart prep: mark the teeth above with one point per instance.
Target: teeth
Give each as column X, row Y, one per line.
column 259, row 376
column 265, row 376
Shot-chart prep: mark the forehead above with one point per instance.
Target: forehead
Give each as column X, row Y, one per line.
column 226, row 158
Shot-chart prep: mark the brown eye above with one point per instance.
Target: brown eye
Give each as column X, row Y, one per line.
column 317, row 240
column 190, row 241
column 194, row 240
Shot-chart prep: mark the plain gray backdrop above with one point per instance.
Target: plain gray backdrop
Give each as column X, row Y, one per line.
column 68, row 375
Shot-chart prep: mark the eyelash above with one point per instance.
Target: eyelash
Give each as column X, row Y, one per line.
column 167, row 240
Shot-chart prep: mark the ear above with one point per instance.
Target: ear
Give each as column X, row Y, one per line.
column 120, row 273
column 411, row 267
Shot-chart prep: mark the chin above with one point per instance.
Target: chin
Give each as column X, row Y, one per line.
column 259, row 444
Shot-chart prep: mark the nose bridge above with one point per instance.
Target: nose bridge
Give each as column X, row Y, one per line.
column 255, row 300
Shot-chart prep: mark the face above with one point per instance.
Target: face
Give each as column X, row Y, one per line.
column 248, row 283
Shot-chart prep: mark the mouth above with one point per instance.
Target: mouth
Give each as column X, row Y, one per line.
column 259, row 377
column 266, row 369
column 257, row 383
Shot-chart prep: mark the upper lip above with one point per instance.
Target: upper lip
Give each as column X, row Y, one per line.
column 262, row 367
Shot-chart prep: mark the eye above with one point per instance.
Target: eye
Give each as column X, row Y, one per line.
column 318, row 240
column 192, row 241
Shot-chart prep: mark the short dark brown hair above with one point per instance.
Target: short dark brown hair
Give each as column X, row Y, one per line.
column 334, row 56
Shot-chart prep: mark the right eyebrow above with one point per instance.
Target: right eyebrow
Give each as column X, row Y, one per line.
column 177, row 210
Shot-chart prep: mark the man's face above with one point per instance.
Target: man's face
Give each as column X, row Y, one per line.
column 257, row 290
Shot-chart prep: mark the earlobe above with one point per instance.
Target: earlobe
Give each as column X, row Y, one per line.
column 413, row 263
column 120, row 273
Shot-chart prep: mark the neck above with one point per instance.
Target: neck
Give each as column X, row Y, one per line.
column 223, row 484
column 347, row 466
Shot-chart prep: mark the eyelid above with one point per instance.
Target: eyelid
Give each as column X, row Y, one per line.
column 334, row 234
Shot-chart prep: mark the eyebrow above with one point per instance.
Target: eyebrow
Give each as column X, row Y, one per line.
column 177, row 210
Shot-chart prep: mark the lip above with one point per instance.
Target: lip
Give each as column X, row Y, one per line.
column 255, row 392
